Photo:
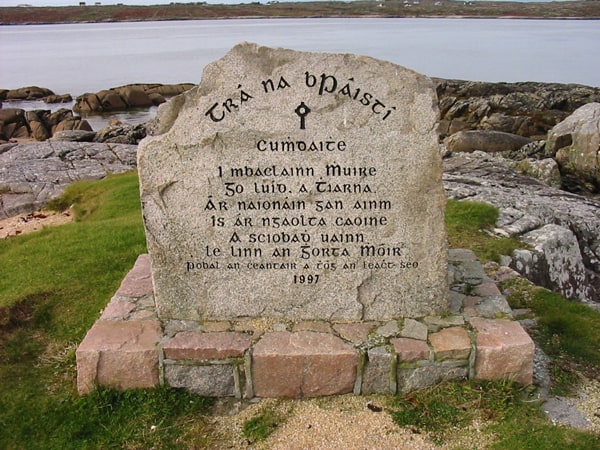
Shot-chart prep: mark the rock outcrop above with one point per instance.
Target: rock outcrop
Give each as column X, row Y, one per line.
column 126, row 97
column 31, row 174
column 526, row 109
column 25, row 93
column 561, row 228
column 38, row 125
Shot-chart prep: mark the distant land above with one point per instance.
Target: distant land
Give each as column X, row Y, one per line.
column 90, row 12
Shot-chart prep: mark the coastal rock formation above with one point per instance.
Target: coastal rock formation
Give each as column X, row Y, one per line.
column 126, row 97
column 552, row 221
column 31, row 174
column 25, row 93
column 575, row 144
column 527, row 109
column 38, row 125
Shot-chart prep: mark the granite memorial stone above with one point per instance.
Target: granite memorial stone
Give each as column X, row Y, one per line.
column 293, row 185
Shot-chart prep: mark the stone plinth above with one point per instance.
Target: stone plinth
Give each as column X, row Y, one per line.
column 194, row 345
column 410, row 350
column 255, row 358
column 504, row 351
column 119, row 354
column 303, row 364
column 451, row 343
column 209, row 364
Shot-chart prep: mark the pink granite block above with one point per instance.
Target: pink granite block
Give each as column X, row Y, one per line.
column 451, row 343
column 138, row 282
column 119, row 354
column 409, row 350
column 197, row 345
column 504, row 351
column 303, row 364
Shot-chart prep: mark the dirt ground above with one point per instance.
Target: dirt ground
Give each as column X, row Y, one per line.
column 28, row 223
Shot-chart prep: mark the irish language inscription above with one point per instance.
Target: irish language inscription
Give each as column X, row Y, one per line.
column 297, row 185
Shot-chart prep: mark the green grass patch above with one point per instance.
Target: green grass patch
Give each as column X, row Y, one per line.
column 135, row 419
column 261, row 426
column 445, row 412
column 469, row 225
column 443, row 408
column 54, row 284
column 569, row 332
column 69, row 273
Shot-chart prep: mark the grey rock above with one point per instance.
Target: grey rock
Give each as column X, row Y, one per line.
column 377, row 376
column 554, row 261
column 412, row 379
column 562, row 410
column 526, row 204
column 389, row 329
column 414, row 329
column 121, row 134
column 32, row 174
column 209, row 381
column 191, row 150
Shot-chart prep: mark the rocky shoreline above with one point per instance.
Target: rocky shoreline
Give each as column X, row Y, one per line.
column 322, row 9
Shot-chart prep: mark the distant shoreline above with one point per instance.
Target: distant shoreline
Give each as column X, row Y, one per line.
column 446, row 9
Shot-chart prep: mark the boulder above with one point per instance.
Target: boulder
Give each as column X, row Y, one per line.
column 575, row 144
column 485, row 140
column 13, row 124
column 72, row 123
column 555, row 261
column 87, row 103
column 111, row 101
column 135, row 98
column 545, row 170
column 39, row 131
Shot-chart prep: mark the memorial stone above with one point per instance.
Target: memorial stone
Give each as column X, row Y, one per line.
column 297, row 186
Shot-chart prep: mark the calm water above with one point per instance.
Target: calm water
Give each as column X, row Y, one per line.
column 80, row 58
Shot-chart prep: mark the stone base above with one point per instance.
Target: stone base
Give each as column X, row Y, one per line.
column 129, row 348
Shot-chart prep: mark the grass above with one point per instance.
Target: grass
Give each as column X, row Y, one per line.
column 261, row 426
column 55, row 282
column 568, row 332
column 470, row 225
